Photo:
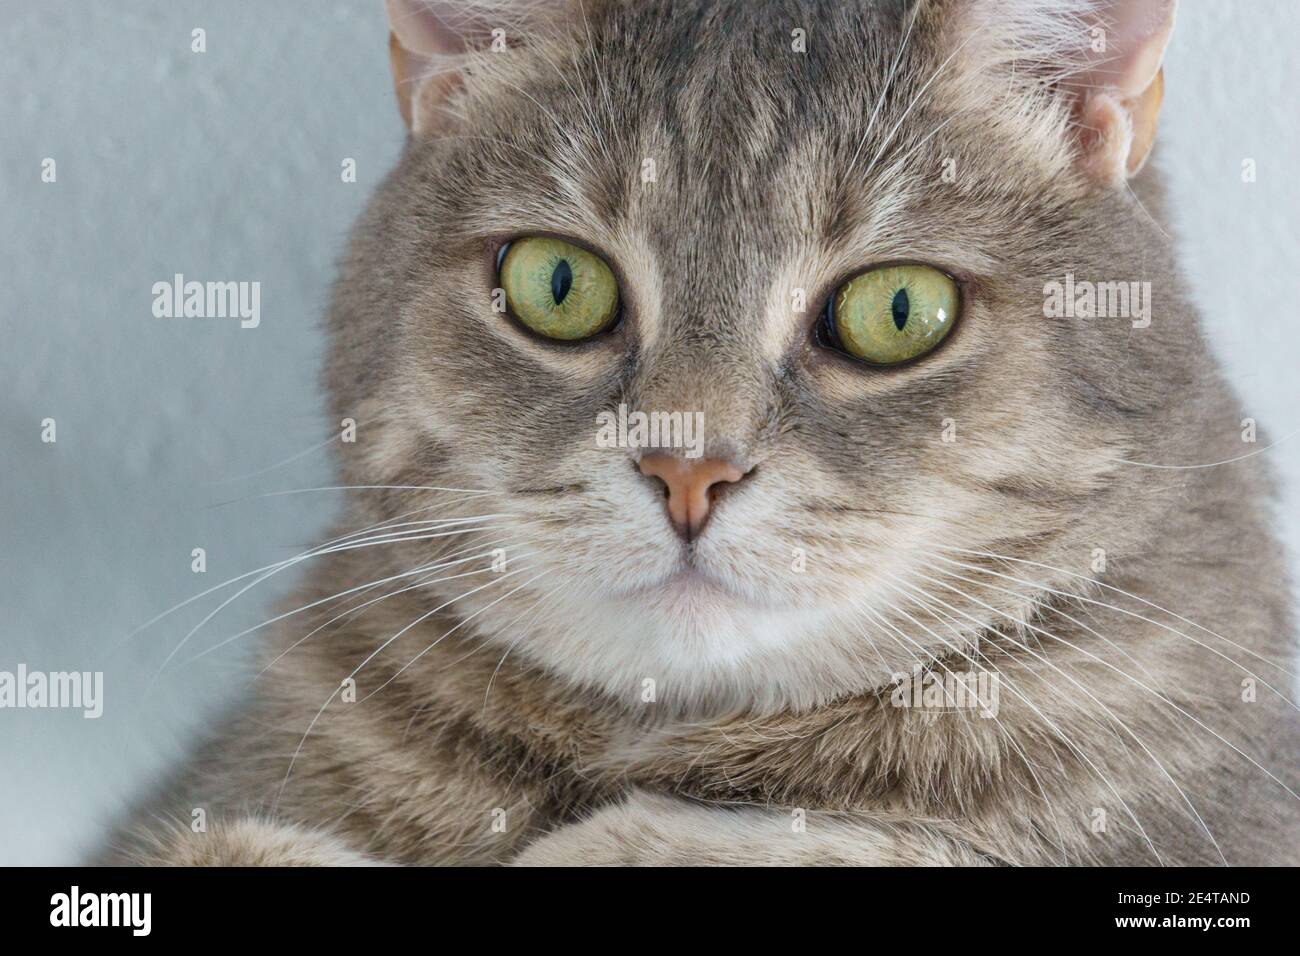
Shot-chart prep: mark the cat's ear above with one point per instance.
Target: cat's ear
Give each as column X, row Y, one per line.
column 425, row 38
column 1100, row 58
column 1121, row 84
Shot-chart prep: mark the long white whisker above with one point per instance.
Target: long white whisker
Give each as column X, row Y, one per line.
column 1142, row 600
column 889, row 137
column 280, row 464
column 532, row 608
column 954, row 626
column 423, row 582
column 1076, row 597
column 424, row 569
column 457, row 626
column 1050, row 723
column 1015, row 744
column 473, row 492
column 363, row 543
column 889, row 82
column 369, row 657
column 1128, row 677
column 248, row 574
column 1085, row 690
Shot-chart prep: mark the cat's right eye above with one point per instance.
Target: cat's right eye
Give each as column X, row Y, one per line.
column 557, row 289
column 892, row 314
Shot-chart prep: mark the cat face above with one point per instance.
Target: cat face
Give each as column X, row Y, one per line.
column 733, row 181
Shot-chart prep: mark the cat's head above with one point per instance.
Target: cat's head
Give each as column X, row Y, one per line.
column 650, row 205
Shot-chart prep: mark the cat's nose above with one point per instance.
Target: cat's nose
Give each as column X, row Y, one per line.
column 690, row 485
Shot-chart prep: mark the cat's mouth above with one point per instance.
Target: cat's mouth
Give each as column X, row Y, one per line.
column 687, row 582
column 692, row 589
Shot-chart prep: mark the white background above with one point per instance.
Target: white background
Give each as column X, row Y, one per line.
column 226, row 165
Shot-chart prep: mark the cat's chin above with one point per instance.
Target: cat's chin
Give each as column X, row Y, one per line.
column 704, row 649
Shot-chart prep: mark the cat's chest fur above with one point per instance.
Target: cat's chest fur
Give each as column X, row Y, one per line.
column 433, row 757
column 460, row 756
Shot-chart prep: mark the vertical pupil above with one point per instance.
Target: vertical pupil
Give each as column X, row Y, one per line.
column 900, row 307
column 561, row 281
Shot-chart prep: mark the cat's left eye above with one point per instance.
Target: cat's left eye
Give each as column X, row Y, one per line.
column 557, row 289
column 892, row 314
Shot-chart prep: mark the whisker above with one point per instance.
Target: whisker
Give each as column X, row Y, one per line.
column 884, row 90
column 1141, row 600
column 1065, row 738
column 1070, row 596
column 459, row 624
column 889, row 137
column 247, row 574
column 1130, row 678
column 1211, row 464
column 511, row 647
column 1002, row 676
column 472, row 492
column 423, row 582
column 424, row 569
column 1085, row 690
column 284, row 566
column 280, row 464
column 371, row 656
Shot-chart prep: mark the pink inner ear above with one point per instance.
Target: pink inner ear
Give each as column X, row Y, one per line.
column 1118, row 90
column 1136, row 33
column 437, row 27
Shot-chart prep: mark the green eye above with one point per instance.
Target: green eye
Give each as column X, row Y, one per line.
column 894, row 314
column 557, row 289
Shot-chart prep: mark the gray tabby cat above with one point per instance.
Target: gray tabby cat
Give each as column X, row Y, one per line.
column 912, row 595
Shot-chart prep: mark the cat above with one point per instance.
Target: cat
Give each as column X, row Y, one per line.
column 829, row 228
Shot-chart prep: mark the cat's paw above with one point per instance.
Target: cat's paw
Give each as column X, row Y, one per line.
column 643, row 830
column 649, row 829
column 243, row 842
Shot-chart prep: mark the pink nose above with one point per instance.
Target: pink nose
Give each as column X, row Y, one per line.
column 690, row 486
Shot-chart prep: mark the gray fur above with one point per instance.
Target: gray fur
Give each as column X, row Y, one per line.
column 773, row 695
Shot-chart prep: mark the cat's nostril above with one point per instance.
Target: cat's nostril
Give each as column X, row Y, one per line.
column 689, row 487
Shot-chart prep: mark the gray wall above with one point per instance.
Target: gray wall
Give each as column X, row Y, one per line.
column 221, row 165
column 226, row 165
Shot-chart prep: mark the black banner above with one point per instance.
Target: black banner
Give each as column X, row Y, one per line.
column 329, row 906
